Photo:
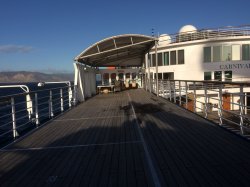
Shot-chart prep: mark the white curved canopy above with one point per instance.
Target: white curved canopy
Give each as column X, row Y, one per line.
column 121, row 50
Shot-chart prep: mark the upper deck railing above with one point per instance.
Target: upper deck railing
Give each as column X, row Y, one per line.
column 226, row 103
column 24, row 111
column 214, row 33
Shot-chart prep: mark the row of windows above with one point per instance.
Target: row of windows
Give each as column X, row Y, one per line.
column 167, row 58
column 120, row 75
column 218, row 75
column 226, row 53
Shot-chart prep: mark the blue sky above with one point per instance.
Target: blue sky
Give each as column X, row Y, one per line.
column 46, row 35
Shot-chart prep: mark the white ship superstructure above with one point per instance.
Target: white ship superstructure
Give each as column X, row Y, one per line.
column 221, row 54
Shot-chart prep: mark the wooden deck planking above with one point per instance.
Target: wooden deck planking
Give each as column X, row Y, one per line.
column 98, row 144
column 108, row 134
column 204, row 144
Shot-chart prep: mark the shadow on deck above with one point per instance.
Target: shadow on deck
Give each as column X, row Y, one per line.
column 130, row 138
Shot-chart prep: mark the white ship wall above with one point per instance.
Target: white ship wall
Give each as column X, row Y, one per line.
column 194, row 66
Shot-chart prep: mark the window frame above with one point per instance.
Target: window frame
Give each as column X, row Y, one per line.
column 206, row 75
column 175, row 59
column 248, row 55
column 178, row 57
column 210, row 55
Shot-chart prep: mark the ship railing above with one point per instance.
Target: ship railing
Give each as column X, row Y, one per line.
column 225, row 103
column 212, row 33
column 22, row 112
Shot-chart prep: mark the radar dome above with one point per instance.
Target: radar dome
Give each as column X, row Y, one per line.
column 164, row 39
column 188, row 29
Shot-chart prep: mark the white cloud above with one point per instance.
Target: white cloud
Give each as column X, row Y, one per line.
column 15, row 49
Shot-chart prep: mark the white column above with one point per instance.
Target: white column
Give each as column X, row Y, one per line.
column 156, row 69
column 109, row 78
column 146, row 74
column 149, row 76
column 87, row 84
column 79, row 82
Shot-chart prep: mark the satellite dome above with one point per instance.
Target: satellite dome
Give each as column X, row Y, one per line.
column 187, row 29
column 164, row 39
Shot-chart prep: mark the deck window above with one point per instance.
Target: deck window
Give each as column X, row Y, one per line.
column 218, row 75
column 159, row 75
column 207, row 76
column 166, row 58
column 246, row 52
column 227, row 53
column 134, row 76
column 120, row 75
column 180, row 56
column 153, row 64
column 113, row 77
column 98, row 78
column 235, row 52
column 207, row 54
column 228, row 75
column 216, row 53
column 173, row 57
column 159, row 59
column 127, row 75
column 106, row 78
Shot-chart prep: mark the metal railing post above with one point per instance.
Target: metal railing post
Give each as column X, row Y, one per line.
column 174, row 93
column 170, row 91
column 164, row 89
column 206, row 100
column 245, row 106
column 154, row 89
column 180, row 93
column 61, row 95
column 70, row 96
column 51, row 114
column 186, row 91
column 36, row 110
column 241, row 109
column 75, row 95
column 153, row 85
column 13, row 110
column 194, row 97
column 220, row 104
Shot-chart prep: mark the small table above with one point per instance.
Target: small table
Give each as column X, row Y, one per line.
column 111, row 87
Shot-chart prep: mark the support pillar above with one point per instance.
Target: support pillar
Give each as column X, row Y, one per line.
column 79, row 82
column 149, row 77
column 156, row 69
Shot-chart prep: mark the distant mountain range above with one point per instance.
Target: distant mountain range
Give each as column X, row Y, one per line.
column 25, row 76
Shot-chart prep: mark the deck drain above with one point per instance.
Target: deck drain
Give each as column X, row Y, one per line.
column 51, row 179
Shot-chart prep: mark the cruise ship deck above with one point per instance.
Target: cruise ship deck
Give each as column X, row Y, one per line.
column 129, row 138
